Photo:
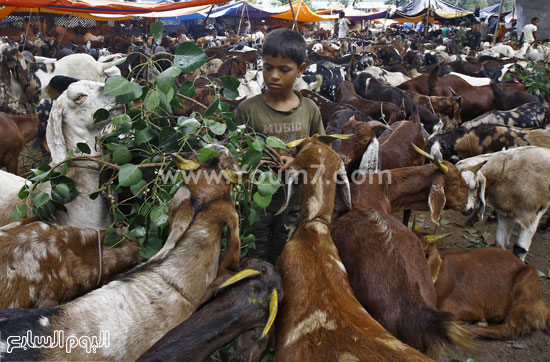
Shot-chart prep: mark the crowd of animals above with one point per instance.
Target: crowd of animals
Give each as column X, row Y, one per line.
column 354, row 282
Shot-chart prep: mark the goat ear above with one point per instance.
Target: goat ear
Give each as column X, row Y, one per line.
column 369, row 161
column 54, row 133
column 481, row 193
column 437, row 199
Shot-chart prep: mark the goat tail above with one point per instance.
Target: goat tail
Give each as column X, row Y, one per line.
column 432, row 331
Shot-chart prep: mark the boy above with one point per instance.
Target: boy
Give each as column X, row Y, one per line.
column 343, row 32
column 286, row 114
column 529, row 30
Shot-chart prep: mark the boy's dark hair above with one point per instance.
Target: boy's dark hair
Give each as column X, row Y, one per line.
column 286, row 43
column 341, row 14
column 534, row 19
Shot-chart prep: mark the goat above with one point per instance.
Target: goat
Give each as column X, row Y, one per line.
column 516, row 184
column 332, row 325
column 145, row 303
column 527, row 115
column 505, row 101
column 488, row 284
column 448, row 106
column 345, row 93
column 16, row 132
column 235, row 310
column 462, row 143
column 46, row 265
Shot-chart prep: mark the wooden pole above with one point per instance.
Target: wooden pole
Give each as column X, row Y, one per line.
column 293, row 15
column 497, row 28
column 428, row 18
column 27, row 30
column 241, row 19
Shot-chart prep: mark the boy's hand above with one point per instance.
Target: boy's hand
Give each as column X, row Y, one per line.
column 287, row 160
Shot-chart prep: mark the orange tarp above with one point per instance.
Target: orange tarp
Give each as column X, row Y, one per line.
column 302, row 12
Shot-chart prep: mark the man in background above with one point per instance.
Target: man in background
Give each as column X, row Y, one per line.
column 343, row 33
column 529, row 30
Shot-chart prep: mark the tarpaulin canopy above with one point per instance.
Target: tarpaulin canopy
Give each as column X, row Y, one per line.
column 104, row 6
column 355, row 14
column 415, row 11
column 196, row 12
column 242, row 8
column 302, row 12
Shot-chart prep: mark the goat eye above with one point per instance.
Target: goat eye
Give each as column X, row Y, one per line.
column 79, row 98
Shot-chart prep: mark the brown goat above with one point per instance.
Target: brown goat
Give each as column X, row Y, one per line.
column 47, row 265
column 346, row 94
column 16, row 131
column 320, row 319
column 448, row 106
column 488, row 284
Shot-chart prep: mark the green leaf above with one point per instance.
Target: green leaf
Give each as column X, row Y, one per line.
column 101, row 115
column 212, row 108
column 152, row 100
column 444, row 222
column 258, row 145
column 129, row 175
column 165, row 80
column 61, row 193
column 275, row 142
column 96, row 193
column 19, row 213
column 230, row 86
column 24, row 192
column 251, row 159
column 117, row 85
column 144, row 136
column 122, row 123
column 189, row 57
column 156, row 30
column 541, row 274
column 41, row 199
column 260, row 200
column 111, row 237
column 122, row 155
column 137, row 232
column 41, row 176
column 135, row 92
column 206, row 154
column 187, row 89
column 159, row 215
column 150, row 247
column 138, row 187
column 83, row 148
column 217, row 128
column 268, row 183
column 253, row 216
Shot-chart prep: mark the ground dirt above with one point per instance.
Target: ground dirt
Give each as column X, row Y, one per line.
column 533, row 347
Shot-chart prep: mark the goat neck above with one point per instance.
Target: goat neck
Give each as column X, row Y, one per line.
column 319, row 167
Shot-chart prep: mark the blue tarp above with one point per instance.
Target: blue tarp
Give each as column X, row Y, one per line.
column 241, row 8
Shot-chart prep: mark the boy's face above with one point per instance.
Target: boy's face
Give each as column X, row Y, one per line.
column 280, row 73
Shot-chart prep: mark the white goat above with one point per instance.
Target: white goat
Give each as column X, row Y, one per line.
column 71, row 122
column 516, row 183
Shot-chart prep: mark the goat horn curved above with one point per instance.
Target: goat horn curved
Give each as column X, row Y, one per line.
column 422, row 152
column 295, row 143
column 273, row 308
column 434, row 238
column 329, row 138
column 477, row 167
column 184, row 164
column 441, row 166
column 243, row 274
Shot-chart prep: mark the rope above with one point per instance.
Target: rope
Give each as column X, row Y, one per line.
column 100, row 257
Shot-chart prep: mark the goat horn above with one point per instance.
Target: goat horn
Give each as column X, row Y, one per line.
column 434, row 238
column 477, row 167
column 273, row 308
column 296, row 143
column 243, row 274
column 415, row 225
column 184, row 164
column 422, row 152
column 329, row 138
column 234, row 177
column 441, row 166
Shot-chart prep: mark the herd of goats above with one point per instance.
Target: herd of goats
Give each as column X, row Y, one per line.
column 354, row 283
